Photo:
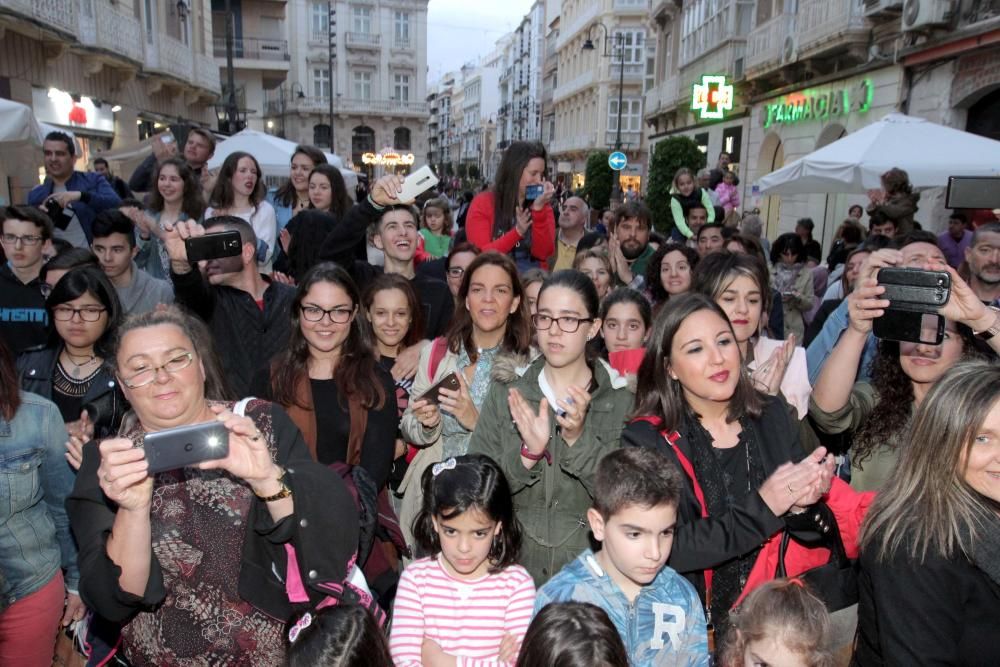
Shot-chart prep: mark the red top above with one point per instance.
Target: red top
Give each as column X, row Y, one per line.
column 479, row 230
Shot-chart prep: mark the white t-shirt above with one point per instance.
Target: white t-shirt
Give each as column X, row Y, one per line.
column 265, row 226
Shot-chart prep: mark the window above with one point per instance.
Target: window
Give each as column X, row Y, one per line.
column 634, row 45
column 401, row 87
column 401, row 139
column 362, row 19
column 321, row 135
column 362, row 85
column 320, row 19
column 631, row 115
column 731, row 139
column 401, row 30
column 321, row 82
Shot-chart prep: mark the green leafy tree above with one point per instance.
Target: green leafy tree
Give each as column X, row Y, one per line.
column 474, row 172
column 598, row 179
column 669, row 155
column 463, row 170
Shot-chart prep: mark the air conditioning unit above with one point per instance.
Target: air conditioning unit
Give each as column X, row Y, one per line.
column 926, row 14
column 875, row 8
column 789, row 50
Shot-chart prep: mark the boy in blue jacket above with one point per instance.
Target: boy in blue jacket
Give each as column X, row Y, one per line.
column 657, row 612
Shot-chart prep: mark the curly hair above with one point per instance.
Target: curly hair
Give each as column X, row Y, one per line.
column 653, row 281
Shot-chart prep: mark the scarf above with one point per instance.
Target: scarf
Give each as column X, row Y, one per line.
column 786, row 276
column 984, row 551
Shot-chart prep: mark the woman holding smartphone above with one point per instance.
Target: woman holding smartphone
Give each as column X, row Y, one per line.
column 194, row 561
column 506, row 219
column 549, row 424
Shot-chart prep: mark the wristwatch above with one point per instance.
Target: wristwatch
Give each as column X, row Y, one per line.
column 283, row 492
column 994, row 329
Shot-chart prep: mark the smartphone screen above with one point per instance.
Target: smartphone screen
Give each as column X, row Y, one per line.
column 910, row 327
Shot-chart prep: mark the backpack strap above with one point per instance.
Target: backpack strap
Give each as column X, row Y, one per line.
column 240, row 408
column 439, row 348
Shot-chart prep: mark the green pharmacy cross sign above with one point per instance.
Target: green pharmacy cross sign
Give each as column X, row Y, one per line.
column 712, row 98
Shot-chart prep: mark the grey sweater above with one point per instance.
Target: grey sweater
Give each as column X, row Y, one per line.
column 145, row 292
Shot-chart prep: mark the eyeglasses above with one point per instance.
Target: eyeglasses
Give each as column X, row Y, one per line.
column 316, row 314
column 12, row 239
column 567, row 324
column 148, row 375
column 87, row 313
column 456, row 272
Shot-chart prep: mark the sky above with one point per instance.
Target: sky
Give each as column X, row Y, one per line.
column 462, row 30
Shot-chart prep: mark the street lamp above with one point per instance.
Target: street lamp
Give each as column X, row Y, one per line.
column 588, row 45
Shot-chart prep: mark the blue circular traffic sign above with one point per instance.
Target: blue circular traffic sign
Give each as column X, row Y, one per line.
column 617, row 161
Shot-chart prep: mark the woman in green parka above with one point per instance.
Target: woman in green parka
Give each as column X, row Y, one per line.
column 549, row 425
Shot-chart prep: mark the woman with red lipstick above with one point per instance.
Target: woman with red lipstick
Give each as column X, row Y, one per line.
column 239, row 190
column 550, row 423
column 735, row 444
column 490, row 337
column 878, row 411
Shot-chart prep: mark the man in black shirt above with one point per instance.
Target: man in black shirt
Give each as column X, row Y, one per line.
column 24, row 322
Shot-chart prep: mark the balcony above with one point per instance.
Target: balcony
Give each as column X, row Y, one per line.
column 360, row 106
column 206, row 72
column 663, row 97
column 766, row 44
column 402, row 43
column 582, row 81
column 580, row 142
column 254, row 48
column 631, row 6
column 363, row 40
column 629, row 139
column 824, row 26
column 582, row 21
column 104, row 27
column 172, row 57
column 58, row 15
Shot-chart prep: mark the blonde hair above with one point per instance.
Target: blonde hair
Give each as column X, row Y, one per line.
column 592, row 253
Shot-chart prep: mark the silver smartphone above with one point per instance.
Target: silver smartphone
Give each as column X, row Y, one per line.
column 417, row 183
column 186, row 446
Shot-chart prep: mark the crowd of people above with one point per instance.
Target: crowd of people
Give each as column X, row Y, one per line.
column 497, row 429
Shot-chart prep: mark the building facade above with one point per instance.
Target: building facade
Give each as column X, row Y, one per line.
column 519, row 117
column 378, row 85
column 111, row 73
column 603, row 59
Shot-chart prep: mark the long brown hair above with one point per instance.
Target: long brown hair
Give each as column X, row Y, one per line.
column 223, row 195
column 508, row 182
column 340, row 201
column 656, row 394
column 517, row 335
column 193, row 202
column 285, row 196
column 10, row 396
column 388, row 281
column 355, row 372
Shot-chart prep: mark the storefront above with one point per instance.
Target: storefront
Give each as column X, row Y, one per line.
column 91, row 122
column 788, row 126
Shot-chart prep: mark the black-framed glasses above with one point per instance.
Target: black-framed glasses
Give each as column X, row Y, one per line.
column 12, row 239
column 148, row 375
column 339, row 315
column 87, row 313
column 456, row 272
column 567, row 323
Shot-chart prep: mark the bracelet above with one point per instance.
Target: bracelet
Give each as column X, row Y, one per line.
column 992, row 330
column 374, row 205
column 283, row 493
column 526, row 453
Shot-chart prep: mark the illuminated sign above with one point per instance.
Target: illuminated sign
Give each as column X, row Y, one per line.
column 712, row 98
column 57, row 107
column 819, row 104
column 388, row 159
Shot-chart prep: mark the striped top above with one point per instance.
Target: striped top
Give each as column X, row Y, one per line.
column 467, row 619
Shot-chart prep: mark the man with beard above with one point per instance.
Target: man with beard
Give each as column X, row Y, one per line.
column 628, row 247
column 247, row 314
column 983, row 258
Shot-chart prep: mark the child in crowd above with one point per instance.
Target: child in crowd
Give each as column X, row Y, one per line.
column 729, row 196
column 435, row 227
column 780, row 623
column 572, row 634
column 657, row 612
column 343, row 635
column 683, row 195
column 465, row 603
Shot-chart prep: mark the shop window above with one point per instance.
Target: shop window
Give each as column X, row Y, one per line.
column 732, row 138
column 701, row 139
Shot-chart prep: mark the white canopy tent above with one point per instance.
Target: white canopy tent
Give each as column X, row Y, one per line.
column 274, row 155
column 929, row 153
column 20, row 135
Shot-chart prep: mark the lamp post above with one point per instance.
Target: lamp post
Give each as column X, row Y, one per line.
column 332, row 35
column 282, row 107
column 588, row 45
column 232, row 108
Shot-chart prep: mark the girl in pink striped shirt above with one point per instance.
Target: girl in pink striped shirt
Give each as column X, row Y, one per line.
column 467, row 604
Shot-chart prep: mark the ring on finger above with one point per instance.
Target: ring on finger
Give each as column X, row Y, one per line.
column 256, row 436
column 791, row 491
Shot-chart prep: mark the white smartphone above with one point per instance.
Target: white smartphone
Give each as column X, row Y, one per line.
column 417, row 183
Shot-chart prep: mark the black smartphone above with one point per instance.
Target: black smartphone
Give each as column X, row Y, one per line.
column 915, row 289
column 533, row 192
column 973, row 192
column 57, row 214
column 449, row 382
column 186, row 446
column 213, row 246
column 909, row 326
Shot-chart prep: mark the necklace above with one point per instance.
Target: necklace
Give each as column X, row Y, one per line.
column 77, row 368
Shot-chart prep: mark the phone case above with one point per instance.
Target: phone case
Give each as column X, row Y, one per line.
column 533, row 192
column 449, row 382
column 915, row 289
column 909, row 326
column 417, row 183
column 185, row 446
column 213, row 246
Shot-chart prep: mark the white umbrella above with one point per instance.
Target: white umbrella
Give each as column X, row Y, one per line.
column 20, row 136
column 274, row 155
column 929, row 153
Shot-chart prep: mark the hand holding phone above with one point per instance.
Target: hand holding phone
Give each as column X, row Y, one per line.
column 186, row 446
column 433, row 395
column 417, row 183
column 215, row 245
column 533, row 192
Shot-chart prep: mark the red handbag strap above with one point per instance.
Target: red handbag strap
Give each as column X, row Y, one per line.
column 439, row 347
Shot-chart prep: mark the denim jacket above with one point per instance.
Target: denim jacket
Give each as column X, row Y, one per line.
column 35, row 480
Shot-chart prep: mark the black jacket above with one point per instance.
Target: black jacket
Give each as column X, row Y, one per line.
column 24, row 322
column 323, row 531
column 245, row 337
column 340, row 245
column 939, row 612
column 703, row 543
column 104, row 400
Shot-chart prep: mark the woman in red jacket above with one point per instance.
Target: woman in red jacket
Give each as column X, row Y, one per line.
column 504, row 220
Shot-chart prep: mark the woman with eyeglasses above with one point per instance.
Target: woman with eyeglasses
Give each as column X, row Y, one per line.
column 70, row 371
column 458, row 260
column 194, row 562
column 489, row 337
column 548, row 424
